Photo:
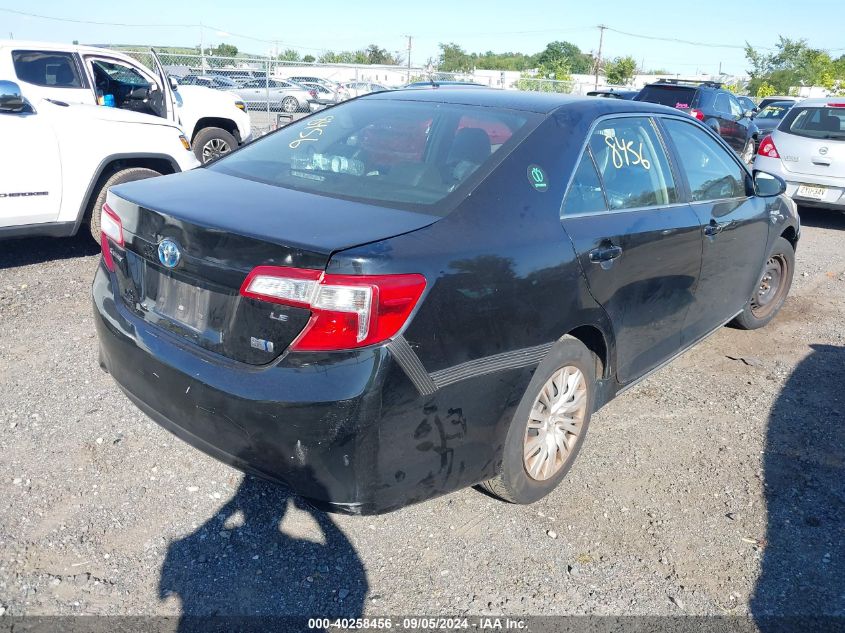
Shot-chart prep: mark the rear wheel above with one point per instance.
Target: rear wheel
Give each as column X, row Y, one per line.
column 772, row 289
column 549, row 425
column 210, row 143
column 117, row 178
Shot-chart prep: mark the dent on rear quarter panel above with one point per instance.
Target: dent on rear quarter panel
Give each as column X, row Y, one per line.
column 502, row 276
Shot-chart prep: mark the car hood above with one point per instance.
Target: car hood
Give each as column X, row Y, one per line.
column 206, row 95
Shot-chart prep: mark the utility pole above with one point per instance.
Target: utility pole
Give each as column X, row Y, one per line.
column 202, row 50
column 409, row 56
column 601, row 28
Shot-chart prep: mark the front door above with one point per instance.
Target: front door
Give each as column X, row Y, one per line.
column 735, row 226
column 639, row 247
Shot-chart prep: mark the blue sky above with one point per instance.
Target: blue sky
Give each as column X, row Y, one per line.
column 476, row 25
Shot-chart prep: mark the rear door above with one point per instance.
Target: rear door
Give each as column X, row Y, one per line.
column 30, row 169
column 729, row 129
column 735, row 225
column 638, row 244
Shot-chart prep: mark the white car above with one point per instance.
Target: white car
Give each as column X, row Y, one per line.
column 59, row 160
column 807, row 150
column 215, row 121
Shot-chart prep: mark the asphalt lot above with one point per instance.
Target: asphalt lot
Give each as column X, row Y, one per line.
column 715, row 487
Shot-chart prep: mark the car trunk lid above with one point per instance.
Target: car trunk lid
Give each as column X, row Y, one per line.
column 223, row 227
column 811, row 141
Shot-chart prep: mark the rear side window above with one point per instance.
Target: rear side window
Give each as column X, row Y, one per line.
column 47, row 68
column 682, row 97
column 711, row 171
column 585, row 194
column 822, row 123
column 632, row 163
column 398, row 153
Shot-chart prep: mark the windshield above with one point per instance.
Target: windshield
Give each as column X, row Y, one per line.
column 681, row 97
column 398, row 153
column 774, row 111
column 822, row 123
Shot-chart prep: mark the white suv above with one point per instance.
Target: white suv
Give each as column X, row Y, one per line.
column 215, row 121
column 59, row 160
column 807, row 150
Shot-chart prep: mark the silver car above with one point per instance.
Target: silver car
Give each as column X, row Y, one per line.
column 807, row 150
column 286, row 96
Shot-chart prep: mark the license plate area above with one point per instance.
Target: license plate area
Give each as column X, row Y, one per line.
column 187, row 304
column 811, row 192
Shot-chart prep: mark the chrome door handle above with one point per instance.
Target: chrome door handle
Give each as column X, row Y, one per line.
column 605, row 254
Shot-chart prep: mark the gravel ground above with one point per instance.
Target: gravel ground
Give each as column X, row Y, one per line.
column 714, row 487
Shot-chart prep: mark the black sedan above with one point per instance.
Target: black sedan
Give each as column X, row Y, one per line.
column 419, row 291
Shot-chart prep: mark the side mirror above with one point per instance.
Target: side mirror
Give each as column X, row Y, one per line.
column 11, row 99
column 768, row 185
column 173, row 83
column 749, row 114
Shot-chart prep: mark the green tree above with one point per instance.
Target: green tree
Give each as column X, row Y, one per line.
column 377, row 55
column 621, row 70
column 766, row 89
column 793, row 64
column 564, row 54
column 289, row 55
column 309, row 59
column 453, row 59
column 225, row 50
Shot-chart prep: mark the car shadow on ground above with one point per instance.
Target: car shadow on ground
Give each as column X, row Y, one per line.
column 804, row 474
column 822, row 218
column 36, row 250
column 252, row 566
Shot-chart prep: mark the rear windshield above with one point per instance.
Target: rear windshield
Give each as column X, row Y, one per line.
column 774, row 111
column 822, row 123
column 681, row 97
column 397, row 153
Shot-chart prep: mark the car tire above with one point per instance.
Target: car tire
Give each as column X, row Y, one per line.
column 747, row 154
column 210, row 143
column 772, row 289
column 117, row 178
column 290, row 105
column 566, row 381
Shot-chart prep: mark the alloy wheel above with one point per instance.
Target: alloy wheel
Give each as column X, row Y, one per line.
column 214, row 148
column 290, row 105
column 554, row 424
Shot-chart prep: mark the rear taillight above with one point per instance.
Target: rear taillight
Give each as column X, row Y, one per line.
column 347, row 311
column 696, row 114
column 111, row 228
column 767, row 148
column 836, row 104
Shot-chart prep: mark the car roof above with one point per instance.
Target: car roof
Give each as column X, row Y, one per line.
column 817, row 102
column 540, row 102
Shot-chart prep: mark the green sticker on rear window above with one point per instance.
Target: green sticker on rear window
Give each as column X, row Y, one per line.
column 537, row 178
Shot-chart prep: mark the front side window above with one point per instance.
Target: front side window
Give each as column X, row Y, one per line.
column 711, row 171
column 398, row 153
column 109, row 73
column 53, row 69
column 736, row 109
column 632, row 163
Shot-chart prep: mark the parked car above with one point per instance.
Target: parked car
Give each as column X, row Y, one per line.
column 614, row 94
column 217, row 82
column 807, row 150
column 323, row 97
column 768, row 118
column 411, row 334
column 62, row 158
column 213, row 120
column 747, row 103
column 358, row 88
column 282, row 95
column 768, row 100
column 708, row 102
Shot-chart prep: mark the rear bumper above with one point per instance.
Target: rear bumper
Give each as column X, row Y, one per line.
column 834, row 197
column 349, row 431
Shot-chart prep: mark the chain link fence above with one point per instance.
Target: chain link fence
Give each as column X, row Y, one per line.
column 277, row 92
